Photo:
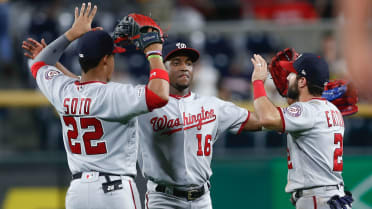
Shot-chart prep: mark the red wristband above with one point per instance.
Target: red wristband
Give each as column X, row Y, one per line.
column 159, row 73
column 258, row 89
column 153, row 100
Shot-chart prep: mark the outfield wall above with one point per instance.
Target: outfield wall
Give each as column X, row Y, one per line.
column 35, row 181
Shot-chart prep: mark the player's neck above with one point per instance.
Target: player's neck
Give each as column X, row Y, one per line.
column 92, row 76
column 174, row 91
column 307, row 97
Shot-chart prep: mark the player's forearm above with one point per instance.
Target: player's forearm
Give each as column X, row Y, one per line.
column 253, row 123
column 160, row 84
column 268, row 114
column 160, row 87
column 356, row 26
column 51, row 53
column 156, row 63
column 65, row 71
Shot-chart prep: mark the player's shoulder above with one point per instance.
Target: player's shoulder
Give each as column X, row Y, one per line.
column 311, row 107
column 319, row 103
column 209, row 99
column 299, row 108
column 118, row 86
column 123, row 90
column 49, row 72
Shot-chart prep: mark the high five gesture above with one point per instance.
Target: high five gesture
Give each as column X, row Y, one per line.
column 83, row 21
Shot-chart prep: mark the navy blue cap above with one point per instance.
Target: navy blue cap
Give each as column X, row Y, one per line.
column 311, row 66
column 180, row 48
column 96, row 44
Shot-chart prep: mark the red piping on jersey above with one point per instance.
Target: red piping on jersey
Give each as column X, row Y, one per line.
column 36, row 67
column 179, row 97
column 243, row 124
column 153, row 100
column 88, row 82
column 131, row 189
column 147, row 202
column 282, row 117
column 319, row 98
column 314, row 200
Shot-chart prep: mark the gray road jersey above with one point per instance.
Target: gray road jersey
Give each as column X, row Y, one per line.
column 96, row 121
column 315, row 132
column 176, row 141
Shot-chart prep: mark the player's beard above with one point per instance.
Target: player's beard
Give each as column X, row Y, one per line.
column 180, row 87
column 293, row 92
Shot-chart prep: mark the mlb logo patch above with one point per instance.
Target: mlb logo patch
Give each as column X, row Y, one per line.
column 50, row 74
column 294, row 110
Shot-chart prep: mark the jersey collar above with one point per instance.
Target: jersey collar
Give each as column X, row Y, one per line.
column 88, row 82
column 319, row 98
column 180, row 97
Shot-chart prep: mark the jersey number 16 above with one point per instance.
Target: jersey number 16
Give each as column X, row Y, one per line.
column 207, row 145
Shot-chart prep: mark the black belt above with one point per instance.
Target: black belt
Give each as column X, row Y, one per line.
column 78, row 175
column 108, row 186
column 189, row 195
column 299, row 192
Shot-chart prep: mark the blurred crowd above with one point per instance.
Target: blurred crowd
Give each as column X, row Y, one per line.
column 225, row 59
column 224, row 69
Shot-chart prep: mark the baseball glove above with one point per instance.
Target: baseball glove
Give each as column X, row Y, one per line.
column 134, row 28
column 278, row 72
column 342, row 94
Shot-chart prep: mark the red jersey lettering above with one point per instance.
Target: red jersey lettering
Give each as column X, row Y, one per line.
column 74, row 106
column 334, row 118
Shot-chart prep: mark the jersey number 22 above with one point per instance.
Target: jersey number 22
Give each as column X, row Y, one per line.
column 100, row 147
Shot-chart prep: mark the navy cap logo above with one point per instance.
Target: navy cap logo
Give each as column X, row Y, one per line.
column 181, row 45
column 81, row 55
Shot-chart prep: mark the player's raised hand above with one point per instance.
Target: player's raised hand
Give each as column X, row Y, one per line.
column 154, row 46
column 260, row 71
column 33, row 47
column 83, row 21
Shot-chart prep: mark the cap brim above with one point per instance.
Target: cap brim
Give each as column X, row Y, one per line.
column 288, row 65
column 190, row 52
column 118, row 50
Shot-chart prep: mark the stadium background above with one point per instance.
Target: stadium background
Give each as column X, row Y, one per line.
column 250, row 169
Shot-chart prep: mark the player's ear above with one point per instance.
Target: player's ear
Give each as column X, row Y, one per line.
column 167, row 65
column 302, row 81
column 105, row 59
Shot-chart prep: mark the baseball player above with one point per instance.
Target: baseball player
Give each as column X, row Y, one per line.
column 96, row 114
column 315, row 130
column 176, row 141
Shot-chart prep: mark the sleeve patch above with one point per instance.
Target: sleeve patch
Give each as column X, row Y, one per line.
column 141, row 91
column 50, row 74
column 294, row 110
